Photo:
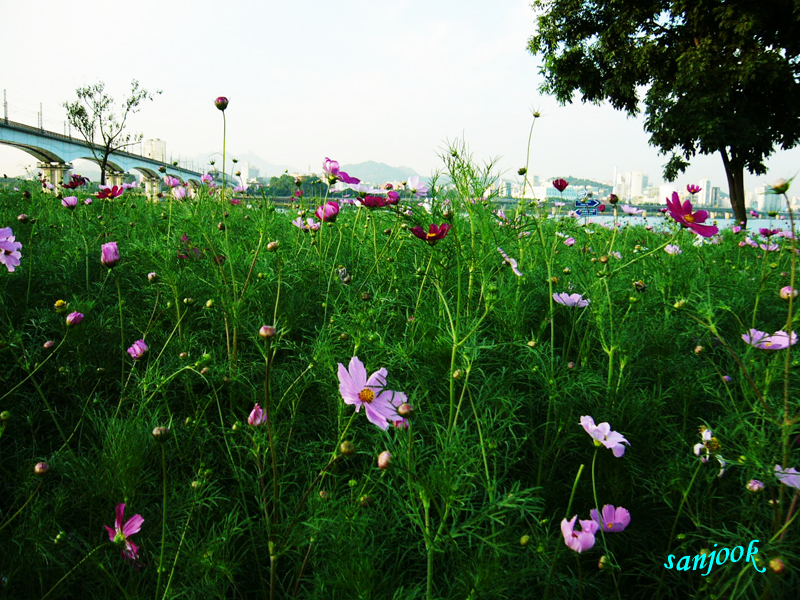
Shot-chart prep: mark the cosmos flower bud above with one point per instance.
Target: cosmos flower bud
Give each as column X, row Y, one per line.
column 41, row 468
column 60, row 306
column 221, row 103
column 524, row 540
column 754, row 485
column 74, row 318
column 5, row 415
column 405, row 409
column 384, row 459
column 267, row 332
column 777, row 565
column 347, row 448
column 781, row 186
column 613, row 199
column 273, row 246
column 788, row 292
column 161, row 433
column 109, row 254
column 23, row 218
column 49, row 344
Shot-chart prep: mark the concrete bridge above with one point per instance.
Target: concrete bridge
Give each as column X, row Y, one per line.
column 55, row 153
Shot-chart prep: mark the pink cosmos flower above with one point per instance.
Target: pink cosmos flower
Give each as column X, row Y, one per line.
column 754, row 214
column 673, row 249
column 612, row 520
column 373, row 201
column 257, row 417
column 172, row 182
column 570, row 241
column 69, row 202
column 88, row 201
column 693, row 189
column 788, row 292
column 240, row 189
column 9, row 249
column 379, row 403
column 207, row 178
column 788, row 477
column 736, row 229
column 392, row 197
column 777, row 341
column 414, row 185
column 328, row 212
column 767, row 232
column 121, row 533
column 571, row 300
column 630, row 210
column 138, row 350
column 754, row 485
column 510, row 261
column 331, row 168
column 560, row 184
column 602, row 434
column 578, row 540
column 616, row 255
column 683, row 214
column 110, row 254
column 179, row 193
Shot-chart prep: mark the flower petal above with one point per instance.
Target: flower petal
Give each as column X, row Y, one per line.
column 133, row 525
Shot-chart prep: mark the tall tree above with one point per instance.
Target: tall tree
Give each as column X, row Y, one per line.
column 93, row 115
column 716, row 76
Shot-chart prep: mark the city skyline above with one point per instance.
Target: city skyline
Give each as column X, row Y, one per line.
column 354, row 82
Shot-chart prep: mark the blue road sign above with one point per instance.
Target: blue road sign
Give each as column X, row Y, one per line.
column 586, row 212
column 587, row 204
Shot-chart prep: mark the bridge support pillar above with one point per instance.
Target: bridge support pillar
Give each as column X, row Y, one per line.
column 152, row 186
column 114, row 179
column 54, row 172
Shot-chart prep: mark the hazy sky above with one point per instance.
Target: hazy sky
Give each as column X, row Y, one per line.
column 353, row 80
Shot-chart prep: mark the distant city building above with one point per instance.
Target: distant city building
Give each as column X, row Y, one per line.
column 248, row 171
column 156, row 149
column 704, row 196
column 767, row 201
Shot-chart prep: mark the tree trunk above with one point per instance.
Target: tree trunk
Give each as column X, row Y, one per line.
column 734, row 170
column 103, row 167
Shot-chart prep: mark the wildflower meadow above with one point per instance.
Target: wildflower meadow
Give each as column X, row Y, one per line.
column 395, row 393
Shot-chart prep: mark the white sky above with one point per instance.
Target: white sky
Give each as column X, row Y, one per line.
column 353, row 80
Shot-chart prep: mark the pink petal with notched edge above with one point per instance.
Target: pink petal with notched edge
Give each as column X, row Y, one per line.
column 133, row 525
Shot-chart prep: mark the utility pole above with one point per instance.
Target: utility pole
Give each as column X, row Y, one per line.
column 5, row 108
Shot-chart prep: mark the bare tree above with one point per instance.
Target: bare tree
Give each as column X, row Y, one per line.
column 92, row 114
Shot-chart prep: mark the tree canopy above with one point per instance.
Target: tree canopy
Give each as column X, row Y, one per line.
column 92, row 114
column 713, row 75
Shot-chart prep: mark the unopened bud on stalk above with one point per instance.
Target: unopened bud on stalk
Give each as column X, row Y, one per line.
column 273, row 246
column 161, row 433
column 777, row 566
column 5, row 415
column 384, row 459
column 405, row 409
column 602, row 564
column 266, row 332
column 347, row 448
column 524, row 540
column 41, row 468
column 788, row 292
column 458, row 374
column 209, row 303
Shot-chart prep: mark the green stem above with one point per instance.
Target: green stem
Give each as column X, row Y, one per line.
column 72, row 570
column 163, row 516
column 121, row 327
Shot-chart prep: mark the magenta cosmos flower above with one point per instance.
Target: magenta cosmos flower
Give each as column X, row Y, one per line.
column 693, row 189
column 683, row 214
column 560, row 184
column 121, row 533
column 435, row 232
column 109, row 193
column 9, row 249
column 110, row 254
column 69, row 202
column 328, row 212
column 578, row 540
column 257, row 417
column 602, row 434
column 571, row 299
column 334, row 174
column 379, row 403
column 611, row 520
column 777, row 341
column 138, row 350
column 174, row 182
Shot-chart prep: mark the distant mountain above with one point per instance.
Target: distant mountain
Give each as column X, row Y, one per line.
column 377, row 173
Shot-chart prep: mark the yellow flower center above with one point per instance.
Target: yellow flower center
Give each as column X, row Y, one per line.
column 366, row 395
column 689, row 218
column 609, row 526
column 431, row 235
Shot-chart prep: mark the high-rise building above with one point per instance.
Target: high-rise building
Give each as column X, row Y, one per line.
column 635, row 185
column 766, row 200
column 156, row 149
